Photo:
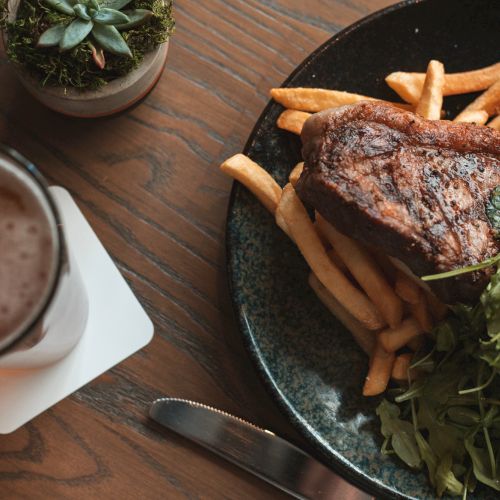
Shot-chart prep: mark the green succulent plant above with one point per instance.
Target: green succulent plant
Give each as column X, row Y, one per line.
column 97, row 22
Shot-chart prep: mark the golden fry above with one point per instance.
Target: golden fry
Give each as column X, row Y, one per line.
column 366, row 272
column 409, row 85
column 296, row 173
column 495, row 123
column 479, row 117
column 385, row 264
column 337, row 260
column 380, row 370
column 314, row 100
column 255, row 178
column 431, row 101
column 401, row 368
column 281, row 223
column 406, row 288
column 488, row 101
column 364, row 337
column 326, row 244
column 393, row 339
column 292, row 120
column 401, row 266
column 420, row 311
column 304, row 234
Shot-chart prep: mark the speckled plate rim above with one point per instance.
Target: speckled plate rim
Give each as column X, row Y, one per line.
column 328, row 455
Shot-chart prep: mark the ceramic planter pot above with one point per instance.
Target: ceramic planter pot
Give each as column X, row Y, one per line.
column 116, row 96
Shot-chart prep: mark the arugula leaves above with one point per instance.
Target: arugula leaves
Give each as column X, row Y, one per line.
column 399, row 434
column 493, row 210
column 448, row 420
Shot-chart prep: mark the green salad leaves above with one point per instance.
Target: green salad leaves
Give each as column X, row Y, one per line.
column 493, row 211
column 448, row 419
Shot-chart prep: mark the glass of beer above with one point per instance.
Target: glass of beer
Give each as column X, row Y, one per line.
column 43, row 302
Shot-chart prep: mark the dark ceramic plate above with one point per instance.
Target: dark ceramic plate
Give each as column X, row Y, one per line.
column 308, row 360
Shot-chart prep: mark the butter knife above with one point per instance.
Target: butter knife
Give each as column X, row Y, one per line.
column 256, row 450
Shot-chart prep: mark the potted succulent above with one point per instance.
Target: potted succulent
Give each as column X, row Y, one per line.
column 87, row 57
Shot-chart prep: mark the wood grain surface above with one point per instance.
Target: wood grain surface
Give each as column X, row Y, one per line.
column 149, row 184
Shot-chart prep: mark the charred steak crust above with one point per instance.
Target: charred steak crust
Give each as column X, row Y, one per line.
column 414, row 188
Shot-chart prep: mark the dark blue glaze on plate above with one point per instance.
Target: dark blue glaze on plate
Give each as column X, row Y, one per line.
column 308, row 360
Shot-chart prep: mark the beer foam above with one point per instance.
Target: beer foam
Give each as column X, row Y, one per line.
column 28, row 250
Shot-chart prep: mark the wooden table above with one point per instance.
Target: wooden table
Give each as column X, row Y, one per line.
column 148, row 182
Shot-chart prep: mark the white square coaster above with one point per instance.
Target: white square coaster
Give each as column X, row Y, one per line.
column 117, row 327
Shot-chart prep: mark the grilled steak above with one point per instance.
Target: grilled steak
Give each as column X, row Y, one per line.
column 414, row 188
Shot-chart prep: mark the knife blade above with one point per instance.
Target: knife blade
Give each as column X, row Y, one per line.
column 256, row 450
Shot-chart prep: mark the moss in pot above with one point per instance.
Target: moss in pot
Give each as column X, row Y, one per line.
column 87, row 57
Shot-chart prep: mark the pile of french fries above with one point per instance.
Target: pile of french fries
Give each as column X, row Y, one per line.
column 377, row 298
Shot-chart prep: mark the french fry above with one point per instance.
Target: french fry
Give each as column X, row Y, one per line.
column 339, row 262
column 380, row 370
column 325, row 242
column 401, row 368
column 421, row 313
column 366, row 272
column 401, row 266
column 488, row 101
column 305, row 236
column 296, row 173
column 438, row 310
column 314, row 100
column 332, row 253
column 385, row 264
column 393, row 339
column 436, row 307
column 409, row 85
column 479, row 117
column 431, row 101
column 410, row 288
column 255, row 178
column 364, row 337
column 495, row 123
column 406, row 288
column 281, row 223
column 292, row 120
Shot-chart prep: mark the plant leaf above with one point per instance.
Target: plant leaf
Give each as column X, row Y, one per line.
column 110, row 16
column 401, row 434
column 445, row 479
column 446, row 337
column 63, row 6
column 463, row 415
column 111, row 40
column 136, row 16
column 75, row 33
column 52, row 36
column 428, row 456
column 81, row 11
column 405, row 446
column 115, row 4
column 481, row 464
